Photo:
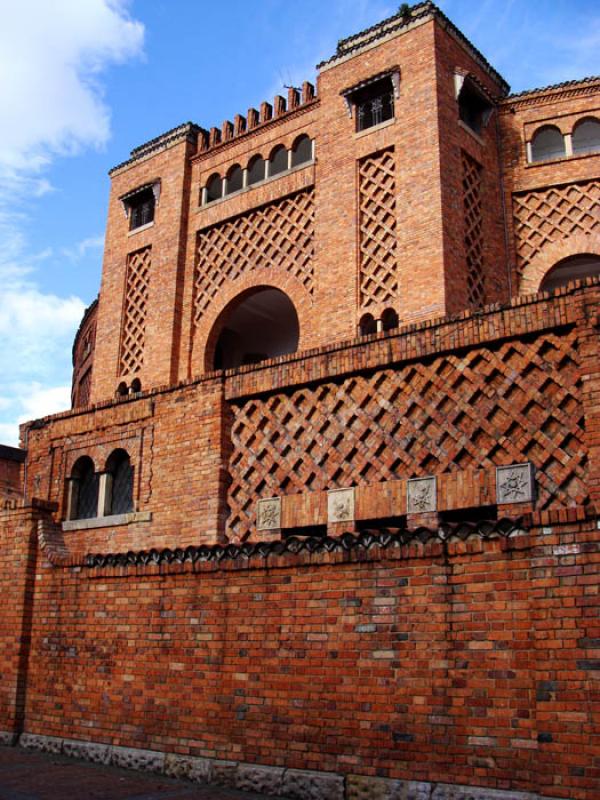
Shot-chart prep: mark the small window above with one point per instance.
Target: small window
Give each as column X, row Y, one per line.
column 367, row 325
column 141, row 208
column 136, row 386
column 84, row 488
column 547, row 143
column 474, row 108
column 214, row 188
column 235, row 179
column 389, row 319
column 374, row 103
column 256, row 170
column 278, row 161
column 119, row 468
column 586, row 137
column 301, row 151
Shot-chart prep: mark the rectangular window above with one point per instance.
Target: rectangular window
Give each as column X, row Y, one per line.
column 374, row 103
column 141, row 209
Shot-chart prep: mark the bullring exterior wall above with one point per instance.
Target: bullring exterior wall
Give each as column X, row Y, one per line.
column 367, row 568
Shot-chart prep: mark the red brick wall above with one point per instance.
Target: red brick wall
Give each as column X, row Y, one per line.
column 18, row 553
column 466, row 662
column 501, row 387
column 550, row 205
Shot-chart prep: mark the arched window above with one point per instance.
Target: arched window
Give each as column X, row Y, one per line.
column 260, row 324
column 367, row 325
column 389, row 319
column 120, row 488
column 301, row 151
column 571, row 269
column 235, row 179
column 547, row 143
column 84, row 489
column 136, row 386
column 122, row 390
column 256, row 170
column 278, row 161
column 586, row 137
column 214, row 188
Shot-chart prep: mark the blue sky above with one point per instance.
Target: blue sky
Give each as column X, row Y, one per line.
column 84, row 81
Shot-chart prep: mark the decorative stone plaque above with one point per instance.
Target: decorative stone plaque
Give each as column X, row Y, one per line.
column 515, row 484
column 340, row 505
column 421, row 495
column 268, row 514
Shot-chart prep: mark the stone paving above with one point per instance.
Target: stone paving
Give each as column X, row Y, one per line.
column 27, row 775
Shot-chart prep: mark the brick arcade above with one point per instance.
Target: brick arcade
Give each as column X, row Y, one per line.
column 323, row 518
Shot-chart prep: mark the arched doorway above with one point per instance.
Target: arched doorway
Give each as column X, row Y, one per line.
column 260, row 324
column 572, row 268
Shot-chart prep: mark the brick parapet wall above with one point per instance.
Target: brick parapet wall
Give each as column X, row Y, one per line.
column 186, row 442
column 468, row 662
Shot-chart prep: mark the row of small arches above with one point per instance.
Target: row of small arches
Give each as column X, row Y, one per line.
column 258, row 169
column 548, row 142
column 387, row 322
column 85, row 497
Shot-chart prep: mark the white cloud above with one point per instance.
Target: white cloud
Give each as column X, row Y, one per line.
column 80, row 249
column 31, row 401
column 52, row 56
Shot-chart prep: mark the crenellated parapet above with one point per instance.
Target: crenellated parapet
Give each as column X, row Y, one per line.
column 281, row 108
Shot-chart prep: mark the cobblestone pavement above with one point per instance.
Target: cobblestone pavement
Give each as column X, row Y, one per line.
column 27, row 775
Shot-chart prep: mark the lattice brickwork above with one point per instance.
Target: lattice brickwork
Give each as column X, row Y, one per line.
column 546, row 216
column 518, row 401
column 278, row 236
column 134, row 315
column 84, row 389
column 377, row 202
column 473, row 233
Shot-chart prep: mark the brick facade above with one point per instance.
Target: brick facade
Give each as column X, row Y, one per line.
column 373, row 557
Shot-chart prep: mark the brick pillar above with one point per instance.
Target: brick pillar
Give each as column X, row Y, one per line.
column 18, row 556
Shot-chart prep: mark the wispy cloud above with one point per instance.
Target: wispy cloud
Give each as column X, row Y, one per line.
column 79, row 250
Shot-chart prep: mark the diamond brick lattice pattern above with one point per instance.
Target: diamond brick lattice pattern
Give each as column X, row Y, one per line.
column 490, row 406
column 134, row 315
column 378, row 279
column 546, row 216
column 278, row 236
column 473, row 235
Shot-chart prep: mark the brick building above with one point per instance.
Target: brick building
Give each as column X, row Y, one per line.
column 322, row 520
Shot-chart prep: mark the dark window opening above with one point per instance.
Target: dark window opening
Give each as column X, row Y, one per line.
column 262, row 325
column 301, row 151
column 547, row 143
column 278, row 161
column 136, row 386
column 571, row 269
column 586, row 137
column 85, row 488
column 122, row 389
column 121, row 471
column 235, row 179
column 473, row 107
column 256, row 170
column 367, row 325
column 374, row 103
column 389, row 319
column 141, row 208
column 214, row 188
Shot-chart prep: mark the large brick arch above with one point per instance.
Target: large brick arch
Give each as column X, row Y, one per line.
column 535, row 272
column 207, row 333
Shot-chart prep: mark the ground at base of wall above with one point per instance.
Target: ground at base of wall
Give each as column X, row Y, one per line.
column 28, row 775
column 70, row 776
